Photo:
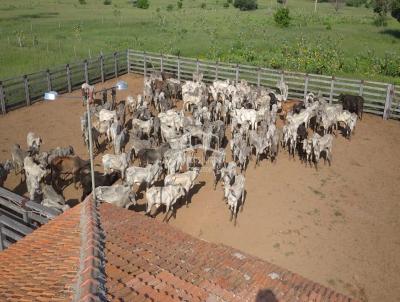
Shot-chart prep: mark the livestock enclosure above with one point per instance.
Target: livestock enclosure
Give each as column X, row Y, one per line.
column 380, row 98
column 338, row 225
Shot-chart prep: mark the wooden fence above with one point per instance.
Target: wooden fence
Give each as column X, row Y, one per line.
column 380, row 98
column 20, row 217
column 27, row 89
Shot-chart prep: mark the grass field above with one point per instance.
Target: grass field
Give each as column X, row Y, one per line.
column 59, row 31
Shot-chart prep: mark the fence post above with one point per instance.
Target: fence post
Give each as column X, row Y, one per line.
column 69, row 84
column 306, row 78
column 26, row 85
column 102, row 68
column 360, row 93
column 216, row 70
column 179, row 68
column 2, row 99
column 258, row 77
column 1, row 238
column 49, row 86
column 162, row 62
column 237, row 73
column 282, row 75
column 85, row 66
column 128, row 65
column 144, row 65
column 388, row 103
column 197, row 66
column 116, row 64
column 331, row 92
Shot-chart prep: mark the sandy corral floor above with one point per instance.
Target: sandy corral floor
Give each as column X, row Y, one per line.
column 339, row 225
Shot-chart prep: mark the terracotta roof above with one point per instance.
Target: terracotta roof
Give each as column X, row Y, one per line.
column 106, row 253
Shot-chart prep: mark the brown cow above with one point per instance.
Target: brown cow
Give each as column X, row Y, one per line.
column 67, row 165
column 288, row 106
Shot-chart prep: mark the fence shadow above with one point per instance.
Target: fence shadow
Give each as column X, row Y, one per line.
column 266, row 295
column 395, row 33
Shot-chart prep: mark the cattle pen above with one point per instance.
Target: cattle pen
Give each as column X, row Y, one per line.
column 380, row 98
column 338, row 225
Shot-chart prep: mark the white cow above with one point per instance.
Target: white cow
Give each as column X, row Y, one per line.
column 186, row 180
column 167, row 196
column 118, row 163
column 118, row 195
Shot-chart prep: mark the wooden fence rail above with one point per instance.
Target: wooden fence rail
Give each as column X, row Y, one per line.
column 380, row 98
column 30, row 88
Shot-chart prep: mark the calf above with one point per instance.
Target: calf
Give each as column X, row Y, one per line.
column 67, row 165
column 235, row 194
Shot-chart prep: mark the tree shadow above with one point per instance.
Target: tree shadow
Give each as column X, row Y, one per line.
column 395, row 33
column 265, row 295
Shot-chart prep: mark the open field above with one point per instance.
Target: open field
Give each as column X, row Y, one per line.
column 338, row 225
column 60, row 31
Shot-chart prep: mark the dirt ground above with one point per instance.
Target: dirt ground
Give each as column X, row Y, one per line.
column 339, row 225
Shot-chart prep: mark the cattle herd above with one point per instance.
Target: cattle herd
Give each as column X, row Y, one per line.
column 159, row 141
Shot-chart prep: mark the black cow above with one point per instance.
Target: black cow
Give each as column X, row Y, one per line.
column 352, row 103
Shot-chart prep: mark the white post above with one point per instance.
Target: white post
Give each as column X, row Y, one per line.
column 88, row 100
column 237, row 73
column 388, row 102
column 179, row 68
column 216, row 70
column 258, row 77
column 360, row 93
column 162, row 62
column 144, row 65
column 127, row 61
column 331, row 92
column 306, row 86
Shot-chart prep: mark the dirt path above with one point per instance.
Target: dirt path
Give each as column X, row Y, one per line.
column 339, row 226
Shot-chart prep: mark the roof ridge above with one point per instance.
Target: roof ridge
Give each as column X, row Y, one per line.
column 91, row 278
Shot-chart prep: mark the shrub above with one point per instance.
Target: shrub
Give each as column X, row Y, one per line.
column 82, row 2
column 107, row 2
column 170, row 7
column 389, row 65
column 380, row 20
column 179, row 4
column 203, row 5
column 245, row 4
column 143, row 4
column 229, row 1
column 355, row 3
column 226, row 4
column 282, row 17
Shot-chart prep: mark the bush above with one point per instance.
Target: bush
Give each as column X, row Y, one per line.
column 226, row 4
column 245, row 4
column 170, row 7
column 179, row 4
column 107, row 2
column 229, row 1
column 143, row 4
column 355, row 3
column 380, row 20
column 282, row 17
column 203, row 5
column 82, row 2
column 389, row 65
